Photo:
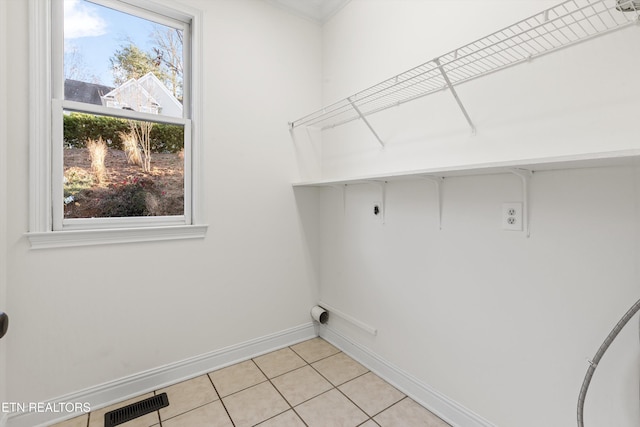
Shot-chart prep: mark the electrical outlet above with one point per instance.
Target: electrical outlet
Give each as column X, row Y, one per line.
column 512, row 216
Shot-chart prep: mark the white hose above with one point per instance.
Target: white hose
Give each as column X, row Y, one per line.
column 593, row 364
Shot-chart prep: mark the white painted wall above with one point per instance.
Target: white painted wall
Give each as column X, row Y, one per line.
column 566, row 102
column 3, row 197
column 84, row 316
column 498, row 322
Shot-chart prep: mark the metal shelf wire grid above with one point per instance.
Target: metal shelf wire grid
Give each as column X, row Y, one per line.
column 567, row 23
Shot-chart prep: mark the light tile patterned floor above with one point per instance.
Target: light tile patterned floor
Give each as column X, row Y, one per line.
column 309, row 384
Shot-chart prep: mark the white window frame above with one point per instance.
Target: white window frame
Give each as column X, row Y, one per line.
column 47, row 227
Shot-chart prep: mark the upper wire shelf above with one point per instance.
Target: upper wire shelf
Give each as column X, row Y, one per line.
column 567, row 23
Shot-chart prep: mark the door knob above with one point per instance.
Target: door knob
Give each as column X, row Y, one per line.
column 4, row 323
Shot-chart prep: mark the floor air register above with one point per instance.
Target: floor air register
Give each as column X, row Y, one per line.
column 135, row 410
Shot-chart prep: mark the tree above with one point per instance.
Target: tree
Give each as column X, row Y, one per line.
column 141, row 132
column 168, row 53
column 130, row 62
column 75, row 67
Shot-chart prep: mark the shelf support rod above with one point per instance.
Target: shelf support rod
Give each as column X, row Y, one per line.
column 525, row 176
column 366, row 122
column 455, row 94
column 437, row 180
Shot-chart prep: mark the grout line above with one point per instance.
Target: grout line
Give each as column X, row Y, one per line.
column 313, row 397
column 288, row 372
column 326, row 379
column 242, row 389
column 186, row 412
column 326, row 357
column 354, row 403
column 292, row 407
column 155, row 393
column 370, row 417
column 278, row 391
column 338, row 385
column 221, row 401
column 388, row 407
column 192, row 409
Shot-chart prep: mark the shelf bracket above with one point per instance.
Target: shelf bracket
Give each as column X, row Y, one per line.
column 366, row 122
column 455, row 94
column 437, row 180
column 525, row 176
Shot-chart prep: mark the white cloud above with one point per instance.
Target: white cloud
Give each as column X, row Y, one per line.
column 81, row 21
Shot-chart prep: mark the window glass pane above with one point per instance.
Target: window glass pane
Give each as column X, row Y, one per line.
column 122, row 168
column 118, row 60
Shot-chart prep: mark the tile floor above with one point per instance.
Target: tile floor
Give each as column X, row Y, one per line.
column 307, row 384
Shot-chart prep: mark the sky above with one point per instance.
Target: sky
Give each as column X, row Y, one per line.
column 95, row 32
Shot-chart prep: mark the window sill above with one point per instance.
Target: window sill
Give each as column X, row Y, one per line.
column 71, row 238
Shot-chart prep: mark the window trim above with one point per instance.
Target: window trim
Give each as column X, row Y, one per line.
column 41, row 232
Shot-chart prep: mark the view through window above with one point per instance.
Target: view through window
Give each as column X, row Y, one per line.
column 123, row 119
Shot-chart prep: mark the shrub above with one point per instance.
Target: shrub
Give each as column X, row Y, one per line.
column 131, row 148
column 167, row 138
column 138, row 196
column 124, row 201
column 80, row 127
column 127, row 199
column 98, row 152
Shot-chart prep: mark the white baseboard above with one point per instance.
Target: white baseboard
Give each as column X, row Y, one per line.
column 112, row 392
column 441, row 405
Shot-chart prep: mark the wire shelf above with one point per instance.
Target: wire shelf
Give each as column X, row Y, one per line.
column 567, row 23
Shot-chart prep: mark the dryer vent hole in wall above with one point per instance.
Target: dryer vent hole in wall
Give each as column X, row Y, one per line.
column 135, row 410
column 319, row 314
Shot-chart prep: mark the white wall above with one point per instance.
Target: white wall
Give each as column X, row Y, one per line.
column 566, row 102
column 500, row 323
column 84, row 316
column 3, row 197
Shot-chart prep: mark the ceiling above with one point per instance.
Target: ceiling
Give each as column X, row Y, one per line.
column 316, row 10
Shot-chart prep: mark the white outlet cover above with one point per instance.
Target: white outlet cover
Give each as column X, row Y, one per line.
column 512, row 216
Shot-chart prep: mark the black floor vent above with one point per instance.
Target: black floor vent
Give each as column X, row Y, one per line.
column 135, row 410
